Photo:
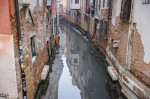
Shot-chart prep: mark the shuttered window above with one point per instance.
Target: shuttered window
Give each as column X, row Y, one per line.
column 108, row 3
column 101, row 26
column 110, row 8
column 105, row 27
column 76, row 1
column 103, row 3
column 126, row 10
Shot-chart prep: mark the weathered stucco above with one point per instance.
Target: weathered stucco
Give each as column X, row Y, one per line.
column 33, row 3
column 8, row 82
column 4, row 17
column 141, row 17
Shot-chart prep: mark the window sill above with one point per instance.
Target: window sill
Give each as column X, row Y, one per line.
column 34, row 59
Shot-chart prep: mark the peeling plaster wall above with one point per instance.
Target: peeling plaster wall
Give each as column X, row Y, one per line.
column 141, row 15
column 8, row 82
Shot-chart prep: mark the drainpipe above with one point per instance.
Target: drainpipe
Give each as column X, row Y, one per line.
column 20, row 50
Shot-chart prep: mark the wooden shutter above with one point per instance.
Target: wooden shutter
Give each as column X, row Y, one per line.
column 125, row 10
column 105, row 27
column 101, row 26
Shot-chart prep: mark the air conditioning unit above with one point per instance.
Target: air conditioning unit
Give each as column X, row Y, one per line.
column 116, row 43
column 112, row 72
column 44, row 72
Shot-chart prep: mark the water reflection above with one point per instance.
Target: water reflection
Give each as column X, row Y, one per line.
column 88, row 75
column 66, row 90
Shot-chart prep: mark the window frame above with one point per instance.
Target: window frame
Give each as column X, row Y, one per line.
column 145, row 1
column 32, row 44
column 77, row 1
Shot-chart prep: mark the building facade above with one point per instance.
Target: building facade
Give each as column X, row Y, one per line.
column 27, row 37
column 119, row 29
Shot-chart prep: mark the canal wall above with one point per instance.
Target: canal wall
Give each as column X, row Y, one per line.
column 131, row 87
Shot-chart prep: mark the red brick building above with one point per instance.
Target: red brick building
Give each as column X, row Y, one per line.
column 25, row 46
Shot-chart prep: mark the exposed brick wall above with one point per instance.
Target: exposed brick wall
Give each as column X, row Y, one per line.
column 122, row 49
column 82, row 22
column 102, row 43
column 138, row 66
column 17, row 56
column 105, row 14
column 119, row 32
column 32, row 70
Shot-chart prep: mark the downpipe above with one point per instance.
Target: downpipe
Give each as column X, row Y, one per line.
column 23, row 76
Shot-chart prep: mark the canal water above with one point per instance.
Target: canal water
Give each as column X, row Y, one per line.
column 76, row 74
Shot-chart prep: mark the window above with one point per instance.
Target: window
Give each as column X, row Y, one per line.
column 61, row 6
column 108, row 3
column 105, row 27
column 146, row 1
column 75, row 60
column 32, row 44
column 125, row 10
column 76, row 1
column 101, row 26
column 103, row 3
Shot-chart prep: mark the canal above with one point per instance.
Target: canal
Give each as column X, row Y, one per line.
column 76, row 73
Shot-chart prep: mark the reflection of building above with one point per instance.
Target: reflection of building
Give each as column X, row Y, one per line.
column 88, row 75
column 62, row 5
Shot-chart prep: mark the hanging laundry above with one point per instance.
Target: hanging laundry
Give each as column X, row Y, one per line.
column 88, row 10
